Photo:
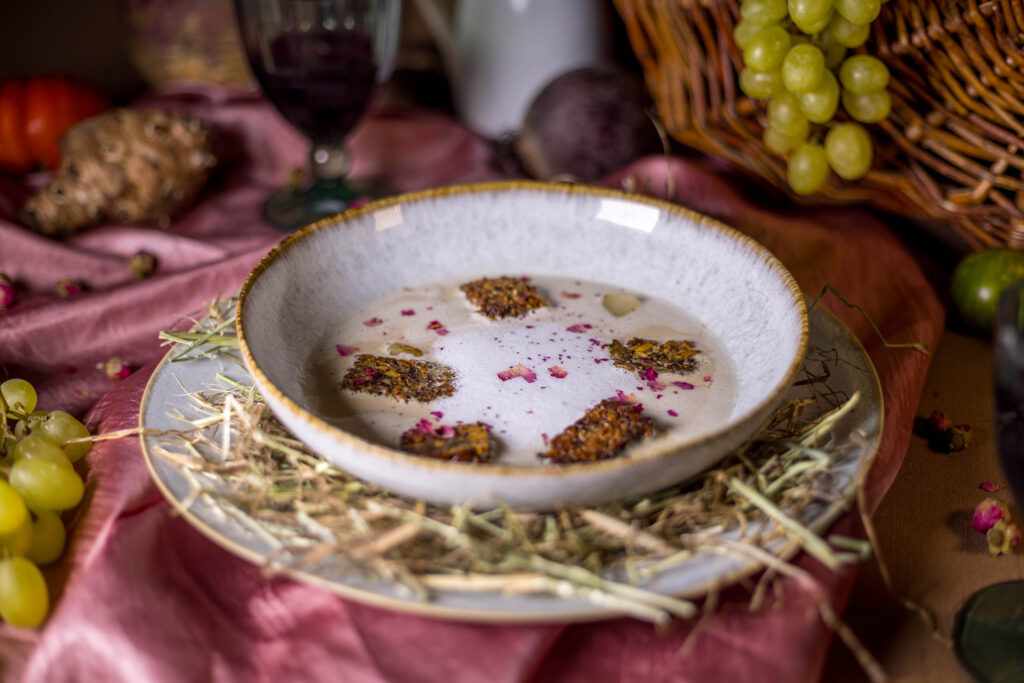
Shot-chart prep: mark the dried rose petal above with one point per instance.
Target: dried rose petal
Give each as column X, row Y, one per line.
column 707, row 378
column 987, row 513
column 142, row 264
column 345, row 350
column 655, row 385
column 441, row 331
column 116, row 368
column 989, row 486
column 686, row 386
column 579, row 327
column 373, row 322
column 409, row 311
column 519, row 370
column 437, row 413
column 557, row 371
column 620, row 304
column 68, row 287
column 673, row 413
column 1002, row 537
column 571, row 295
column 6, row 291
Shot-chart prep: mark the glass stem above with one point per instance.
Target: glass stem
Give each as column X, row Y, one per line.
column 329, row 161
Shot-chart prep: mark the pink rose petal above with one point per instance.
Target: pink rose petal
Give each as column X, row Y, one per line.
column 673, row 413
column 989, row 486
column 519, row 370
column 579, row 327
column 345, row 350
column 683, row 385
column 373, row 322
column 557, row 371
column 409, row 311
column 437, row 413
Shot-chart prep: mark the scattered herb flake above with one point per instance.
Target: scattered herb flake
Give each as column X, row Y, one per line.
column 462, row 443
column 503, row 297
column 399, row 378
column 398, row 348
column 602, row 433
column 644, row 356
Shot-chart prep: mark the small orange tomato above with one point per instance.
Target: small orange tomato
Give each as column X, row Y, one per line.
column 35, row 113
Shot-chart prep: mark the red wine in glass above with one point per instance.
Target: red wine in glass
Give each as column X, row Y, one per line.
column 319, row 63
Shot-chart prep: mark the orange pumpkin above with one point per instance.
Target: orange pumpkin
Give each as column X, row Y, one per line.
column 35, row 113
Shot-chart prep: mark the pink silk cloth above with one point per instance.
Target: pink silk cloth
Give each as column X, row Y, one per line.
column 142, row 596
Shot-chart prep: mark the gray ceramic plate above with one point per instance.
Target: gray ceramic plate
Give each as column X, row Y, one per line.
column 830, row 342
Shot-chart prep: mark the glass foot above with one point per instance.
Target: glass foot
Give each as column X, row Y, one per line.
column 988, row 635
column 290, row 210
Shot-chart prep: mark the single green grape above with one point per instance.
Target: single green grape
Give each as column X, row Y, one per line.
column 808, row 11
column 864, row 75
column 785, row 117
column 24, row 427
column 761, row 85
column 780, row 144
column 19, row 395
column 20, row 540
column 867, row 108
column 834, row 51
column 46, row 485
column 858, row 11
column 48, row 538
column 848, row 150
column 24, row 599
column 808, row 169
column 37, row 447
column 767, row 48
column 803, row 68
column 847, row 33
column 744, row 31
column 819, row 105
column 60, row 427
column 12, row 509
column 763, row 11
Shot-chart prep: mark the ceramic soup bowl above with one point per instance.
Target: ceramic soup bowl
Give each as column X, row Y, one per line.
column 384, row 280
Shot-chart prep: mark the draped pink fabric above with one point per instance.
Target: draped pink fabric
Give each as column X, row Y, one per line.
column 141, row 596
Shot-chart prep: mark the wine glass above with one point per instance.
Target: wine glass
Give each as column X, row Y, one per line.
column 319, row 62
column 989, row 631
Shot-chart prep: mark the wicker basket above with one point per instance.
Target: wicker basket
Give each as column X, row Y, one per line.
column 952, row 150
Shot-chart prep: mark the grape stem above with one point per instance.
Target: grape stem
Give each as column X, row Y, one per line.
column 916, row 346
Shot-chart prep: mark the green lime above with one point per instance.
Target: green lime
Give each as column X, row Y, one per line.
column 978, row 281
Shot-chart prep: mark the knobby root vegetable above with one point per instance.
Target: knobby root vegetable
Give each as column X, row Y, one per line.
column 128, row 165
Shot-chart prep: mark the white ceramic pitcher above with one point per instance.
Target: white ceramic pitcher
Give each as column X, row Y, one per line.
column 500, row 53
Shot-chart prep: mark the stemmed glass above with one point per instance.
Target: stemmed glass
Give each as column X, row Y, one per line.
column 989, row 630
column 319, row 62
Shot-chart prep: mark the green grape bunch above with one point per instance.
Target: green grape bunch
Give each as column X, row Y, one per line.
column 38, row 481
column 795, row 57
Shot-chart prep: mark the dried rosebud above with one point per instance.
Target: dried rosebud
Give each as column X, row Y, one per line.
column 142, row 264
column 1002, row 537
column 116, row 368
column 987, row 513
column 938, row 421
column 6, row 291
column 68, row 287
column 958, row 438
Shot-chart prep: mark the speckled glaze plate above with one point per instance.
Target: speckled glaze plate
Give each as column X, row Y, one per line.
column 830, row 344
column 731, row 287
